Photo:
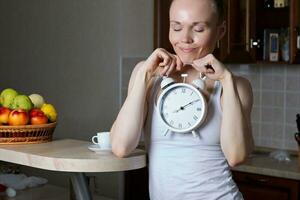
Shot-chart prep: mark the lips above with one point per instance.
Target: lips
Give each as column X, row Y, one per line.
column 187, row 50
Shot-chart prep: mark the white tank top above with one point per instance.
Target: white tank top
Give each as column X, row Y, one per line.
column 183, row 167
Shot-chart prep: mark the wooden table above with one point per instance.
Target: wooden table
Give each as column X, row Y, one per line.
column 69, row 155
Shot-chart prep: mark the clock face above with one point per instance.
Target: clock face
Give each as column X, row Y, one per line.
column 182, row 107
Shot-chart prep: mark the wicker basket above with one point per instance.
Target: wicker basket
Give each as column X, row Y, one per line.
column 27, row 134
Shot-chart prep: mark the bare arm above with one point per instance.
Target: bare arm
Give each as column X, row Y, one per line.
column 236, row 134
column 237, row 99
column 127, row 128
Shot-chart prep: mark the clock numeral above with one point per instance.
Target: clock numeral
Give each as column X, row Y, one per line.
column 171, row 122
column 195, row 117
column 189, row 124
column 199, row 109
column 191, row 93
column 175, row 92
column 183, row 90
column 179, row 125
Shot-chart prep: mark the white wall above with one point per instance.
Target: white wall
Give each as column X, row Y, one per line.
column 70, row 51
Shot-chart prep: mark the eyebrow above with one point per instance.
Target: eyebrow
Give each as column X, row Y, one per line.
column 194, row 23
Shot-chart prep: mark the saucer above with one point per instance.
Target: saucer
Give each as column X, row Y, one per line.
column 96, row 149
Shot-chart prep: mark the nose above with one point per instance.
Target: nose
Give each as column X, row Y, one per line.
column 186, row 36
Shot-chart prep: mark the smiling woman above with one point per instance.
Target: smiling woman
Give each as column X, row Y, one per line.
column 194, row 31
column 182, row 166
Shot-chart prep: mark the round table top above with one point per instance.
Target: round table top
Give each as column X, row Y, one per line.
column 70, row 155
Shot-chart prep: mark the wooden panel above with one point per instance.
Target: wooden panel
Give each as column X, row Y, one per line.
column 161, row 24
column 254, row 186
column 136, row 185
column 295, row 30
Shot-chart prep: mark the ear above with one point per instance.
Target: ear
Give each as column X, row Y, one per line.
column 221, row 30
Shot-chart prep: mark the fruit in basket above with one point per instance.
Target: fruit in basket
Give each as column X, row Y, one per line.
column 7, row 96
column 18, row 117
column 37, row 100
column 34, row 112
column 37, row 117
column 23, row 102
column 4, row 113
column 50, row 111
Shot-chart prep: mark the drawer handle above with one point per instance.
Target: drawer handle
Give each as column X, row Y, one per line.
column 259, row 180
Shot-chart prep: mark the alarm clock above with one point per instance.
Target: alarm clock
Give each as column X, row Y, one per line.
column 181, row 106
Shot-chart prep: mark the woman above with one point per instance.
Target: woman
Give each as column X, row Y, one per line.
column 180, row 166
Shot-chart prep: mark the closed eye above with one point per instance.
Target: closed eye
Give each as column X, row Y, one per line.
column 176, row 29
column 199, row 29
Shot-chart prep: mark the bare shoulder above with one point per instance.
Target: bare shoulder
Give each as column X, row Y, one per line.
column 244, row 90
column 136, row 68
column 243, row 84
column 133, row 74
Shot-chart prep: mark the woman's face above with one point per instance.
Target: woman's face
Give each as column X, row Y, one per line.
column 194, row 28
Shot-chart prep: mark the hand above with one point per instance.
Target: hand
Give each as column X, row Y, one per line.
column 211, row 67
column 186, row 105
column 161, row 62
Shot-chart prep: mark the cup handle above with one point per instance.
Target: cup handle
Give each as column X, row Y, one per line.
column 93, row 139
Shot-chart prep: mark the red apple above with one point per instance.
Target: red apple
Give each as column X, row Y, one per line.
column 4, row 113
column 39, row 118
column 18, row 117
column 35, row 111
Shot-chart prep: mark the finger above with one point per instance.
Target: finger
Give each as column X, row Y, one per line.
column 204, row 64
column 164, row 70
column 209, row 68
column 179, row 63
column 165, row 59
column 172, row 67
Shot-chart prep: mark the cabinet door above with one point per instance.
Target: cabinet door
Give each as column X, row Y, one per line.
column 254, row 186
column 136, row 184
column 237, row 46
column 295, row 27
column 161, row 25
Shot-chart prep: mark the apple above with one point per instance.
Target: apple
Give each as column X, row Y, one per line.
column 4, row 113
column 39, row 119
column 37, row 116
column 23, row 102
column 18, row 117
column 34, row 112
column 7, row 97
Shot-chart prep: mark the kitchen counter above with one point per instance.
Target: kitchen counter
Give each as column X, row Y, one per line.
column 261, row 163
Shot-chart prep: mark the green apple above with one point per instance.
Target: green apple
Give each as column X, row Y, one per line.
column 7, row 96
column 37, row 100
column 23, row 102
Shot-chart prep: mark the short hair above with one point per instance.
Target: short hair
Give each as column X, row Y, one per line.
column 220, row 8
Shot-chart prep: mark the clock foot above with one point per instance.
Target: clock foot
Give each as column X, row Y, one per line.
column 166, row 132
column 194, row 134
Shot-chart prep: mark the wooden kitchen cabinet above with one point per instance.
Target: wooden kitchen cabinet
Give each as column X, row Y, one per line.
column 254, row 186
column 246, row 21
column 136, row 184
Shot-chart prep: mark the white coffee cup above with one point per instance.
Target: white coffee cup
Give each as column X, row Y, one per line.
column 102, row 139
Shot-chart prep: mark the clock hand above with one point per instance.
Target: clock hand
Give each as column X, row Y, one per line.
column 186, row 105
